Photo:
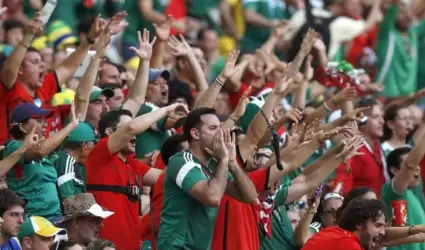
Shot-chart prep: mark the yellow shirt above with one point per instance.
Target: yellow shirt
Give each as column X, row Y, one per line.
column 238, row 15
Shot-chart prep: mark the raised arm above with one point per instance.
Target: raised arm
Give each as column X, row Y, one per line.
column 209, row 96
column 409, row 167
column 137, row 91
column 10, row 69
column 238, row 112
column 125, row 133
column 88, row 80
column 162, row 31
column 182, row 48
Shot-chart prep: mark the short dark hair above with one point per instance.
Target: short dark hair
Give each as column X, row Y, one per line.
column 366, row 102
column 85, row 24
column 353, row 194
column 110, row 85
column 390, row 115
column 172, row 146
column 13, row 24
column 193, row 120
column 201, row 33
column 16, row 132
column 358, row 211
column 111, row 120
column 9, row 199
column 100, row 244
column 394, row 158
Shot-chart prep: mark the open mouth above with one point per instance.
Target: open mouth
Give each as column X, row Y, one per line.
column 164, row 94
column 41, row 76
column 133, row 142
column 416, row 176
column 376, row 241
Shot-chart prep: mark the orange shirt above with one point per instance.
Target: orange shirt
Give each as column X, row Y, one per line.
column 104, row 168
column 18, row 94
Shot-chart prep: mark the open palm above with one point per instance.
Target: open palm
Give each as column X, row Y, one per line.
column 145, row 47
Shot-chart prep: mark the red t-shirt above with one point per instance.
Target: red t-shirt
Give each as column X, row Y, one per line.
column 236, row 225
column 177, row 9
column 104, row 168
column 18, row 94
column 333, row 238
column 367, row 170
column 235, row 96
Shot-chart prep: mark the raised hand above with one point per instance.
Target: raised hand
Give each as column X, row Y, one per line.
column 219, row 150
column 243, row 101
column 347, row 94
column 295, row 115
column 177, row 107
column 230, row 142
column 179, row 48
column 35, row 26
column 279, row 31
column 144, row 52
column 229, row 67
column 308, row 69
column 308, row 42
column 96, row 29
column 350, row 147
column 162, row 29
column 75, row 118
column 356, row 115
column 117, row 23
column 31, row 139
column 281, row 86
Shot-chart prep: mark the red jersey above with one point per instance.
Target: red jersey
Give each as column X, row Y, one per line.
column 236, row 225
column 104, row 168
column 177, row 9
column 369, row 169
column 9, row 98
column 333, row 238
column 235, row 96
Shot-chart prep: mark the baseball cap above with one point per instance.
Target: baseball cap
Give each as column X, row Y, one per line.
column 39, row 226
column 24, row 111
column 82, row 133
column 96, row 92
column 155, row 73
column 84, row 204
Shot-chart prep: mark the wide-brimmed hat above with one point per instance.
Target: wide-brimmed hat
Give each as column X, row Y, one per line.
column 83, row 204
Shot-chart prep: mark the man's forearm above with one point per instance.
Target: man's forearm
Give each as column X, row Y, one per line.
column 10, row 67
column 209, row 96
column 244, row 186
column 10, row 161
column 68, row 67
column 217, row 185
column 137, row 92
column 158, row 54
column 252, row 17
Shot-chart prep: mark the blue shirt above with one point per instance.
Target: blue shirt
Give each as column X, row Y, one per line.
column 11, row 244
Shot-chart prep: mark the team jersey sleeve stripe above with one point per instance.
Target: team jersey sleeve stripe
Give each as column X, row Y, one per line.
column 184, row 171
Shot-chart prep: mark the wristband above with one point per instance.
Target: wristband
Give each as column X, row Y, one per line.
column 26, row 46
column 234, row 119
column 219, row 81
column 410, row 230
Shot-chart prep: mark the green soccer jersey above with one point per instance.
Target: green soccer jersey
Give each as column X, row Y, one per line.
column 415, row 212
column 256, row 36
column 282, row 233
column 398, row 55
column 71, row 175
column 35, row 182
column 136, row 22
column 153, row 138
column 186, row 223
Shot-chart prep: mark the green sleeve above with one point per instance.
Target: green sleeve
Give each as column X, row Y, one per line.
column 64, row 165
column 185, row 172
column 160, row 124
column 388, row 194
column 389, row 21
column 281, row 194
column 420, row 27
column 11, row 147
column 250, row 4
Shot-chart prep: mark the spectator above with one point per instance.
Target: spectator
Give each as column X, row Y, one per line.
column 83, row 218
column 69, row 162
column 37, row 233
column 117, row 100
column 109, row 74
column 98, row 105
column 326, row 214
column 361, row 226
column 34, row 177
column 12, row 217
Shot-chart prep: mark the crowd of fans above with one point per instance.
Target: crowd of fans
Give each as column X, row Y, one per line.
column 212, row 124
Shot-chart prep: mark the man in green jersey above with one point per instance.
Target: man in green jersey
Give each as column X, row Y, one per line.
column 156, row 97
column 403, row 168
column 197, row 178
column 69, row 161
column 397, row 50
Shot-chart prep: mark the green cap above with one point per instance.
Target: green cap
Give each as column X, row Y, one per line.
column 96, row 92
column 38, row 225
column 251, row 110
column 82, row 133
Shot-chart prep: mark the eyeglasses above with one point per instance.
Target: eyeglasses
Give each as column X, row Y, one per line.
column 330, row 212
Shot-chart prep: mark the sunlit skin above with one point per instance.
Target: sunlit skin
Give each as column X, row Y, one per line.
column 157, row 92
column 371, row 232
column 402, row 124
column 12, row 221
column 414, row 182
column 374, row 128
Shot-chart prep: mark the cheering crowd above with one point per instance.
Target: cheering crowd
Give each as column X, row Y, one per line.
column 212, row 124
